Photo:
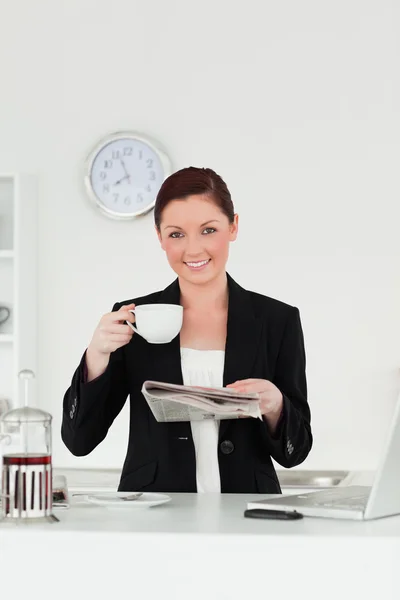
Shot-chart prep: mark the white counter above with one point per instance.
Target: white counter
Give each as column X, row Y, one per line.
column 199, row 546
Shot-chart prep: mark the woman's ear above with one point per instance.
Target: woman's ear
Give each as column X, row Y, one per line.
column 234, row 228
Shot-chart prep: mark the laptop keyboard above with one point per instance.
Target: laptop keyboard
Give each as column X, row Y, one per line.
column 337, row 499
column 353, row 503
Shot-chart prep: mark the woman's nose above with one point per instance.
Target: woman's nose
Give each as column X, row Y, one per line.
column 194, row 247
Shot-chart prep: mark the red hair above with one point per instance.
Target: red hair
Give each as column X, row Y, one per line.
column 193, row 181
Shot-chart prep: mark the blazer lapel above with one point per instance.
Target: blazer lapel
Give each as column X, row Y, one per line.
column 242, row 340
column 168, row 356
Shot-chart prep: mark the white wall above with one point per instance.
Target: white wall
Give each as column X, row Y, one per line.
column 295, row 104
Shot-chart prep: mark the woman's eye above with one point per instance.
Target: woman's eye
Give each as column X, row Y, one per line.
column 179, row 234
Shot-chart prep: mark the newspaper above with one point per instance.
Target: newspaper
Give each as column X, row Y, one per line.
column 171, row 402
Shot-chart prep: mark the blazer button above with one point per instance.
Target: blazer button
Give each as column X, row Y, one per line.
column 227, row 447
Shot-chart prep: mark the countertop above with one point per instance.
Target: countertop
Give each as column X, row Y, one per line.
column 198, row 545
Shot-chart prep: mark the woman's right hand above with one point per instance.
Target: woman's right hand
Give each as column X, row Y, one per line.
column 110, row 334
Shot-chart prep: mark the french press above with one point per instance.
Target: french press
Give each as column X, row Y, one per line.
column 26, row 483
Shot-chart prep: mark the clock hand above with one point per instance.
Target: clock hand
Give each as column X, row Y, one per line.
column 126, row 172
column 122, row 178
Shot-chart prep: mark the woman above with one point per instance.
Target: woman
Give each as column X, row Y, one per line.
column 229, row 337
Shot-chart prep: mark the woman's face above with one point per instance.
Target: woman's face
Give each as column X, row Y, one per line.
column 195, row 235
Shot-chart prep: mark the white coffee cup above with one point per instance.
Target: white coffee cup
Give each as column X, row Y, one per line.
column 157, row 323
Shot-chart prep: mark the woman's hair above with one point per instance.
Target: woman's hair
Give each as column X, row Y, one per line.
column 193, row 181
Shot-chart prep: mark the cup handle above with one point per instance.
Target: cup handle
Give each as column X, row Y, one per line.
column 130, row 324
column 7, row 311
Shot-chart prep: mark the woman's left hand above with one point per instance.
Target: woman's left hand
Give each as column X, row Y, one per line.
column 271, row 398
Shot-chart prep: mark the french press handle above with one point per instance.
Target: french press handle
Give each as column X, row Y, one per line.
column 4, row 439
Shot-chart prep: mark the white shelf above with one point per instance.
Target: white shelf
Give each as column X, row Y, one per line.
column 6, row 253
column 6, row 338
column 18, row 280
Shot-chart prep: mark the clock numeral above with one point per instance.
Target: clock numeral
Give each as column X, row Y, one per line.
column 116, row 196
column 127, row 200
column 149, row 163
column 106, row 187
column 108, row 164
column 128, row 151
column 116, row 154
column 152, row 175
column 103, row 175
column 148, row 188
column 140, row 154
column 140, row 198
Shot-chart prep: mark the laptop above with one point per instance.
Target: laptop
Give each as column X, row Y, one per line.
column 361, row 503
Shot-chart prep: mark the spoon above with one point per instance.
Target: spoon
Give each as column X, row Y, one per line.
column 132, row 496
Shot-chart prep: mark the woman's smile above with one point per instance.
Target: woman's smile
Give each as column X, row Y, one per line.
column 198, row 265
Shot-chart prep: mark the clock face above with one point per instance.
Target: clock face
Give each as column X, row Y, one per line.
column 125, row 173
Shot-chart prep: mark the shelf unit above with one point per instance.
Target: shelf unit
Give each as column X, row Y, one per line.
column 18, row 281
column 6, row 338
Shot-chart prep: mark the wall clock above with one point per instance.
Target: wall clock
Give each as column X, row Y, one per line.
column 124, row 172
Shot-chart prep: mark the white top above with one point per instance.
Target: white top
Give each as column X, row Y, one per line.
column 204, row 367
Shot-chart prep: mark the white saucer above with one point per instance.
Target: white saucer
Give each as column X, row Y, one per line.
column 113, row 499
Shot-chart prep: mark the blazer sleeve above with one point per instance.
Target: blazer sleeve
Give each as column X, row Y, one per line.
column 292, row 440
column 90, row 408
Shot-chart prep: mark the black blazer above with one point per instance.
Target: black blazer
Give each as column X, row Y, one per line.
column 264, row 340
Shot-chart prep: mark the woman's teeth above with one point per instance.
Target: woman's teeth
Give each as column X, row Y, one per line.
column 198, row 265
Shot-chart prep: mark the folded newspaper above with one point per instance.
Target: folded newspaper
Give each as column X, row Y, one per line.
column 172, row 402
